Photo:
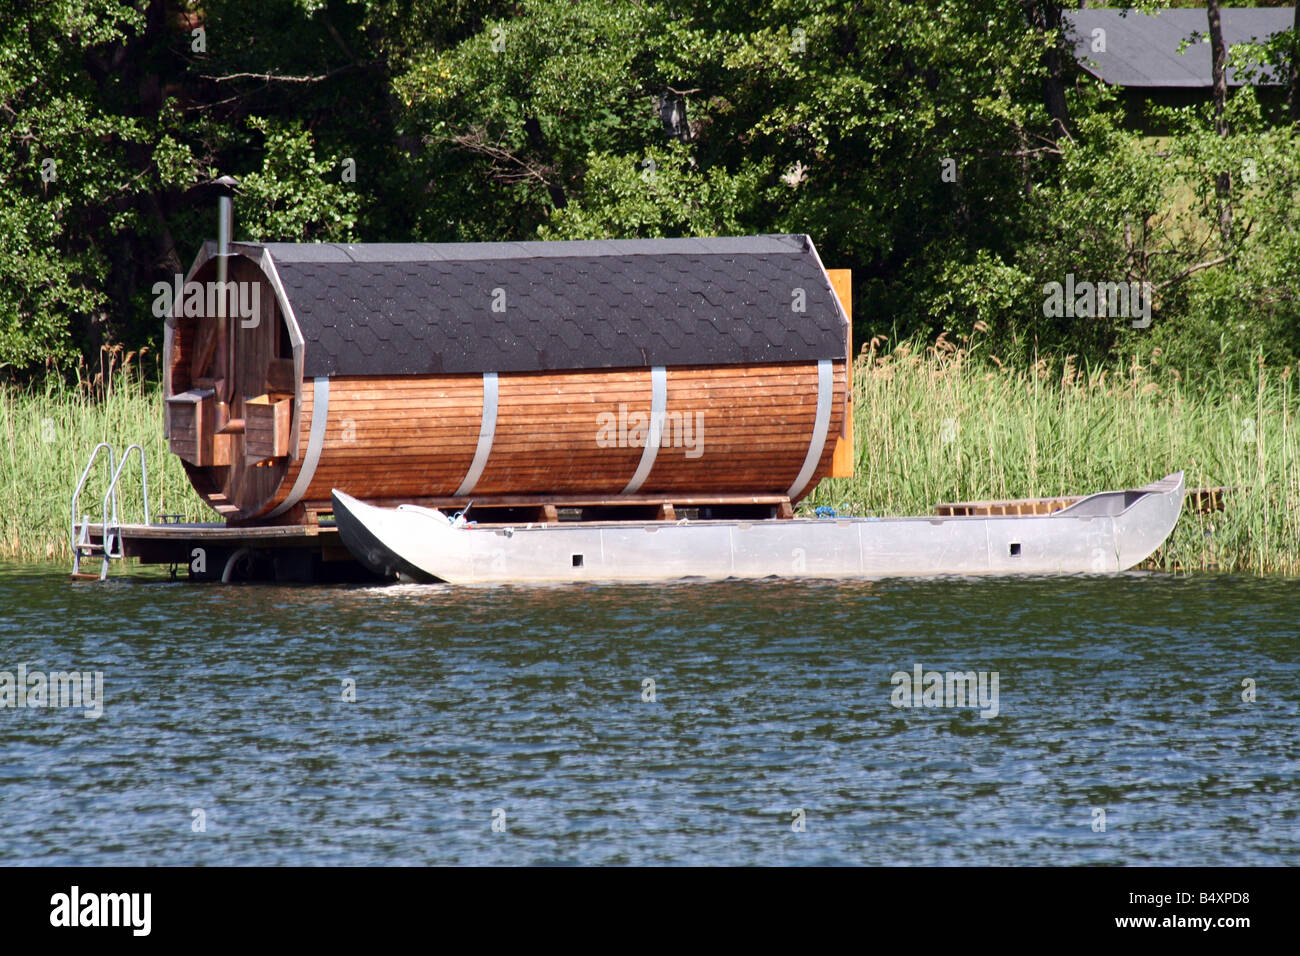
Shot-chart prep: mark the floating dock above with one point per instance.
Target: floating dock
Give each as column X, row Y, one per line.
column 315, row 553
column 301, row 553
column 216, row 552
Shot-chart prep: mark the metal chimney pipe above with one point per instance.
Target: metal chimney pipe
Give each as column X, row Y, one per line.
column 225, row 222
column 225, row 341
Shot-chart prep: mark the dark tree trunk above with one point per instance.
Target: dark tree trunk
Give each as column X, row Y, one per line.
column 1045, row 15
column 1219, row 66
column 533, row 129
column 1219, row 58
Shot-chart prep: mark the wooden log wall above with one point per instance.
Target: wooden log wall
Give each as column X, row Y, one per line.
column 417, row 436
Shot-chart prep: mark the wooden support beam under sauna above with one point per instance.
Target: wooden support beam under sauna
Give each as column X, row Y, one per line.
column 670, row 368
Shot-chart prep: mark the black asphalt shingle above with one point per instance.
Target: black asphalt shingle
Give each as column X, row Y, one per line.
column 416, row 309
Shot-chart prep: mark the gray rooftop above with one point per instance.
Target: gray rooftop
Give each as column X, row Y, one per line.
column 1142, row 50
column 419, row 309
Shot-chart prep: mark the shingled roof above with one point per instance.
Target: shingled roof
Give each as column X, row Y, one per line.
column 1142, row 50
column 413, row 309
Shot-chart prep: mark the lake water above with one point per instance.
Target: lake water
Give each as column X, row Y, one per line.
column 512, row 726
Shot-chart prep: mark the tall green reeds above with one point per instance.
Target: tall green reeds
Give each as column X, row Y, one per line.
column 46, row 435
column 933, row 423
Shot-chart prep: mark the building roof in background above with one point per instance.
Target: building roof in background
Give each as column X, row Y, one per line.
column 1142, row 50
column 421, row 309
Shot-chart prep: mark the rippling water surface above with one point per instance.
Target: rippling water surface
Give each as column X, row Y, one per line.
column 525, row 706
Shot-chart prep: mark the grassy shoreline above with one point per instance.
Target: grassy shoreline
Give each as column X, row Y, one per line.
column 48, row 433
column 932, row 423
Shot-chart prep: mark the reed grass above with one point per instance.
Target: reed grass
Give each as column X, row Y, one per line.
column 933, row 423
column 48, row 432
column 943, row 423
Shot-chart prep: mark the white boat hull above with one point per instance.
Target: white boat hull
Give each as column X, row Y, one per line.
column 1107, row 532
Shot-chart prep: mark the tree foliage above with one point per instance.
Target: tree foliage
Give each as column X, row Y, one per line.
column 949, row 153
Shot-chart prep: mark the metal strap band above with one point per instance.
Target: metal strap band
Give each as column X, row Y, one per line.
column 658, row 411
column 825, row 393
column 487, row 431
column 320, row 407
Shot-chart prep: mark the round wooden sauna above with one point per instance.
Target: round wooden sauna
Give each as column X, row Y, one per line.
column 613, row 371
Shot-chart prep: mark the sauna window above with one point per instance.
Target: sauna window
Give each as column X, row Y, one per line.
column 284, row 347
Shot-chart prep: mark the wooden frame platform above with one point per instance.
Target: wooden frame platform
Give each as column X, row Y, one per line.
column 211, row 551
column 313, row 552
column 548, row 509
column 1198, row 500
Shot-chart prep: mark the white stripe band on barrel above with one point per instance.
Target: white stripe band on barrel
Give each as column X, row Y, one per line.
column 825, row 392
column 658, row 412
column 320, row 409
column 487, row 431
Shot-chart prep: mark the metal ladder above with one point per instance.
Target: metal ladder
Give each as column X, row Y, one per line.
column 110, row 545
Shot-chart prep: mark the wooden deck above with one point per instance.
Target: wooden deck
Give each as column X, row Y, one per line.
column 211, row 551
column 313, row 552
column 544, row 509
column 1198, row 500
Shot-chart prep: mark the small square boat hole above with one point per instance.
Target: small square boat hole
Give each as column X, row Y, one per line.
column 1015, row 549
column 577, row 560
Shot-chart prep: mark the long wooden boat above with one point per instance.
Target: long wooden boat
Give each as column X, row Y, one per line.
column 1106, row 532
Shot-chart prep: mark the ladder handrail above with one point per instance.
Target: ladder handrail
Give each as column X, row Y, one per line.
column 112, row 493
column 72, row 528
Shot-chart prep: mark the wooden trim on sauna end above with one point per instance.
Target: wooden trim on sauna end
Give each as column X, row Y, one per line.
column 843, row 459
column 267, row 264
column 172, row 336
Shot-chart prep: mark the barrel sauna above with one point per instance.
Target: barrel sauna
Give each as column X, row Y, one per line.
column 612, row 370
